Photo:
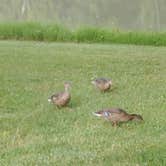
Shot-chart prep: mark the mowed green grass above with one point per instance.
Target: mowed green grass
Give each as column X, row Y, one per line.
column 34, row 132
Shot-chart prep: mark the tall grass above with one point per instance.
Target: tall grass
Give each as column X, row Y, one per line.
column 34, row 31
column 55, row 32
column 108, row 36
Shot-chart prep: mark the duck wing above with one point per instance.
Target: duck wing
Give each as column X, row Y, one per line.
column 101, row 80
column 109, row 112
column 115, row 110
column 57, row 95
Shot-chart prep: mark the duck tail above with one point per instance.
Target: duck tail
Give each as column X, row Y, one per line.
column 96, row 114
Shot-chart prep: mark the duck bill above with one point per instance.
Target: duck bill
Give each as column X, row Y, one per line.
column 110, row 82
column 49, row 100
column 96, row 114
column 93, row 82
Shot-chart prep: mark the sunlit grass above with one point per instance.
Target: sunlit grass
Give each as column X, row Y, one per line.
column 33, row 132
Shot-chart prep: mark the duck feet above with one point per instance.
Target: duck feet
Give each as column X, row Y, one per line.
column 114, row 124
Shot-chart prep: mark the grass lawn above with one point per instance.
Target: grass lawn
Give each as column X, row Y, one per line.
column 34, row 132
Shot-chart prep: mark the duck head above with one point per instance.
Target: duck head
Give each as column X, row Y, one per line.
column 135, row 117
column 67, row 86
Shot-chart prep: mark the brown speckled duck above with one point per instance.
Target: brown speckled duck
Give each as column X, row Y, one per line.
column 117, row 115
column 61, row 99
column 102, row 84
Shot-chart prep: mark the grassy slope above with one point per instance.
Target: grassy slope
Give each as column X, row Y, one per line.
column 34, row 132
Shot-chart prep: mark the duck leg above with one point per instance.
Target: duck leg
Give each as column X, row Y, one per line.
column 58, row 107
column 114, row 124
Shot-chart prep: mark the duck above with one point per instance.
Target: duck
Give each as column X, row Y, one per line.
column 103, row 84
column 61, row 99
column 117, row 115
